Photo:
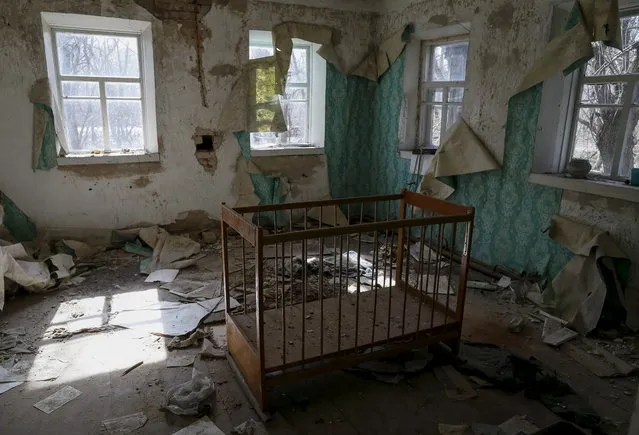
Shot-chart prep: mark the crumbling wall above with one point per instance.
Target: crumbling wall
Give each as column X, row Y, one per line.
column 199, row 48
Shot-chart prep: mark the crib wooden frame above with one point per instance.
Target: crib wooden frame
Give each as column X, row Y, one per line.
column 272, row 345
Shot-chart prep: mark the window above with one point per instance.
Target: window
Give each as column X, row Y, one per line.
column 101, row 78
column 442, row 90
column 303, row 104
column 605, row 124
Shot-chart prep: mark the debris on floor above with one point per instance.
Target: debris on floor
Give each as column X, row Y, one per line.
column 191, row 340
column 125, row 424
column 192, row 397
column 162, row 275
column 180, row 358
column 249, row 427
column 169, row 251
column 133, row 367
column 210, row 351
column 394, row 370
column 204, row 426
column 513, row 373
column 456, row 385
column 57, row 399
column 518, row 425
column 6, row 385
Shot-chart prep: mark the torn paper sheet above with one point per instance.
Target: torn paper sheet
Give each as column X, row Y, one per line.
column 461, row 152
column 580, row 288
column 162, row 275
column 204, row 426
column 126, row 424
column 32, row 275
column 598, row 21
column 6, row 386
column 63, row 266
column 194, row 289
column 283, row 35
column 179, row 358
column 57, row 399
column 169, row 251
column 144, row 311
column 378, row 61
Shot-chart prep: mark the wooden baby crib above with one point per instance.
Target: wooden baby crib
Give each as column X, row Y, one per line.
column 326, row 285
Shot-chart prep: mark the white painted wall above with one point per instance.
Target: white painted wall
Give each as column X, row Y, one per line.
column 63, row 199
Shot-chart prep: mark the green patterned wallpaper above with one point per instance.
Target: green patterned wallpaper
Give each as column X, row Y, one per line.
column 512, row 214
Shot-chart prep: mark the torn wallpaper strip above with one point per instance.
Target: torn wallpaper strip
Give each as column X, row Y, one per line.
column 591, row 21
column 592, row 278
column 461, row 152
column 44, row 136
column 381, row 58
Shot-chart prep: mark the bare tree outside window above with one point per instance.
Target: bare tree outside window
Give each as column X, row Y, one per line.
column 606, row 128
column 100, row 84
column 443, row 80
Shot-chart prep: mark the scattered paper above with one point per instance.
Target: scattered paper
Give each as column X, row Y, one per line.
column 169, row 251
column 6, row 386
column 57, row 399
column 42, row 368
column 203, row 426
column 63, row 263
column 196, row 290
column 126, row 424
column 162, row 275
column 560, row 336
column 180, row 359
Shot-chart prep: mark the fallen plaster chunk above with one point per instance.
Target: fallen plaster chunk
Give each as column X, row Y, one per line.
column 57, row 399
column 559, row 337
column 504, row 282
column 125, row 424
column 249, row 427
column 180, row 359
column 162, row 275
column 191, row 340
column 203, row 426
column 456, row 385
column 518, row 425
column 210, row 351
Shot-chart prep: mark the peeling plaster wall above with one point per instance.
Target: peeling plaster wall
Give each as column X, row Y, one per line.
column 114, row 196
column 505, row 39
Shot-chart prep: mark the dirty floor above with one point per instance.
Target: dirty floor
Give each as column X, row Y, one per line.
column 339, row 403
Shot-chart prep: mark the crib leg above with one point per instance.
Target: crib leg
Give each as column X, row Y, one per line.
column 454, row 345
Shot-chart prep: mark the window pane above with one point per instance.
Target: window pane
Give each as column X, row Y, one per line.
column 455, row 95
column 80, row 89
column 607, row 93
column 596, row 136
column 630, row 154
column 610, row 61
column 298, row 70
column 431, row 125
column 296, row 116
column 453, row 113
column 122, row 90
column 125, row 125
column 434, row 95
column 448, row 62
column 81, row 54
column 257, row 52
column 263, row 139
column 83, row 119
column 293, row 93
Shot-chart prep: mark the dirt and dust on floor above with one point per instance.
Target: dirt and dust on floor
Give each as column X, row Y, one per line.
column 129, row 337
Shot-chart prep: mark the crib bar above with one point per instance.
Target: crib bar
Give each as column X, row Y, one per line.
column 450, row 272
column 375, row 274
column 321, row 286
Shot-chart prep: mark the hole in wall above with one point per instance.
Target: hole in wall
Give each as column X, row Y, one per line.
column 206, row 144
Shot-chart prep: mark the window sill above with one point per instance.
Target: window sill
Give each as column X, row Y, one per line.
column 610, row 189
column 108, row 159
column 289, row 151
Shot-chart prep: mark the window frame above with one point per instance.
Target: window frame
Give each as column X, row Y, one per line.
column 53, row 23
column 425, row 129
column 316, row 97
